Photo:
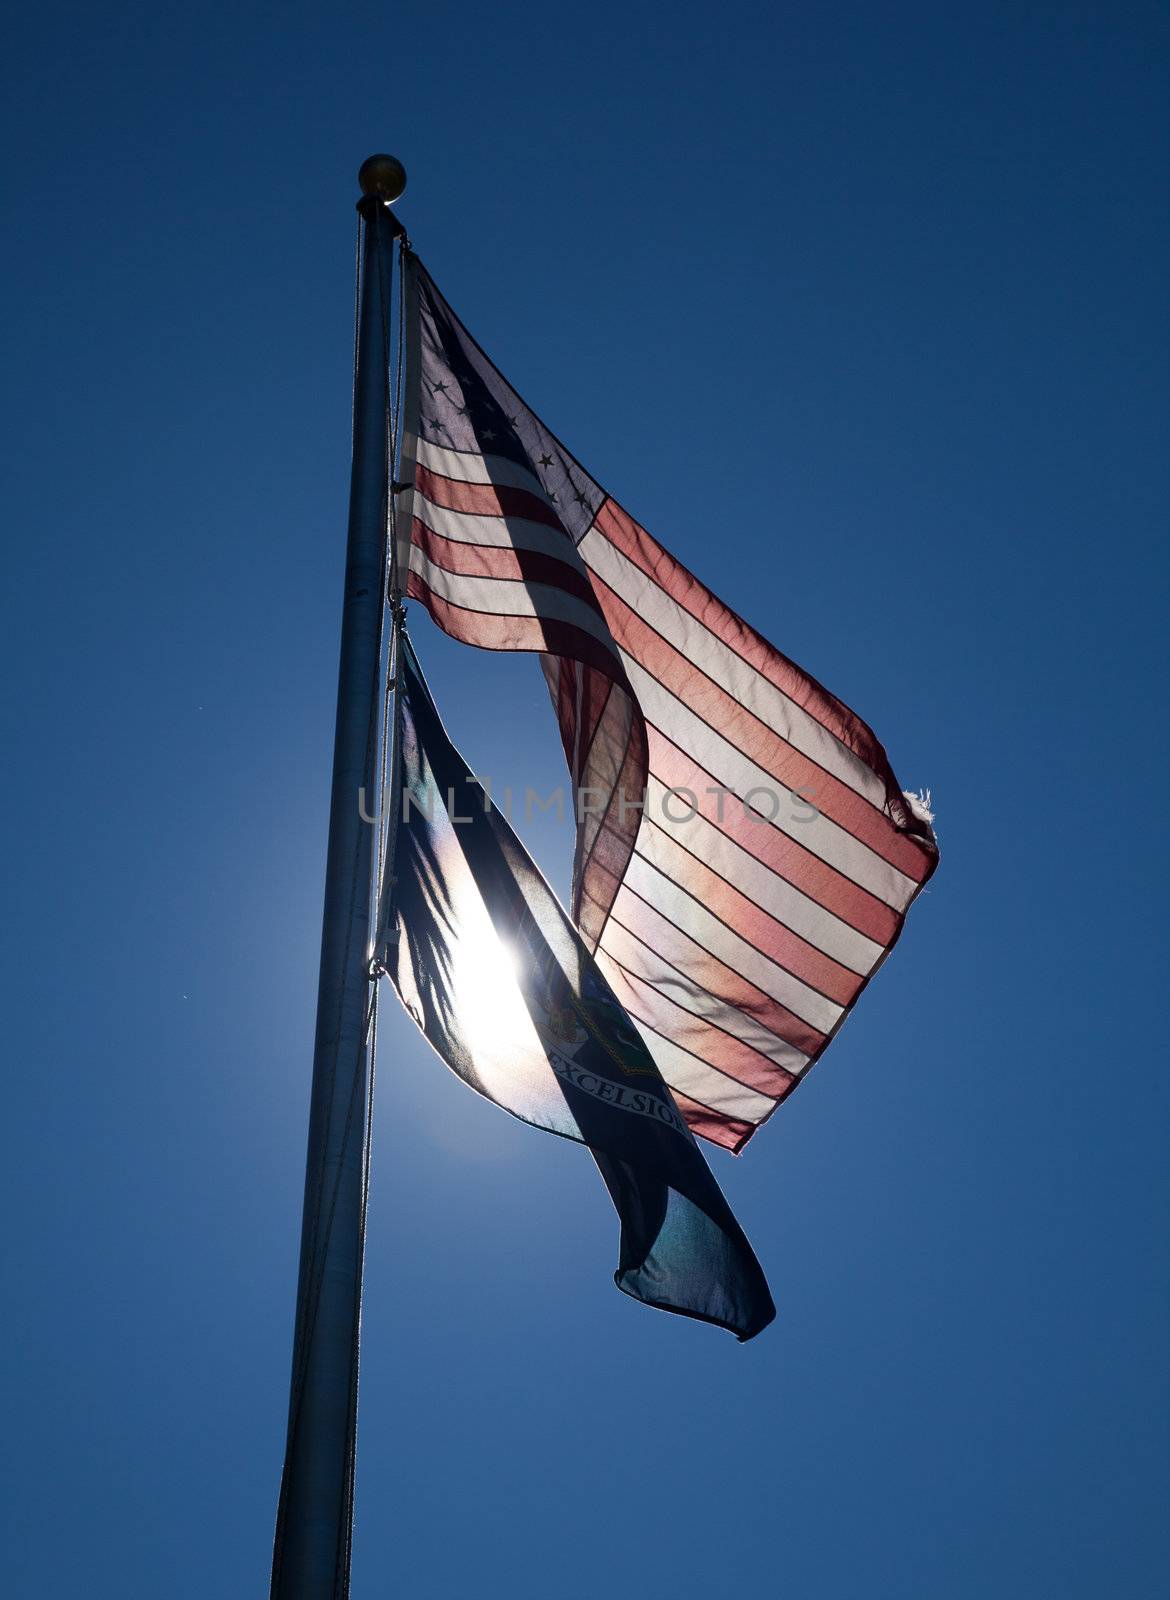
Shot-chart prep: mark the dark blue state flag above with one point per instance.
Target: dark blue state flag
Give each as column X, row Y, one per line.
column 493, row 971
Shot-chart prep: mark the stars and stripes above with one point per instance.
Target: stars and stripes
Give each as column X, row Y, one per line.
column 745, row 856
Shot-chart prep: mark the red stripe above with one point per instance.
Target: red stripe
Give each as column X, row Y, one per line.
column 683, row 587
column 713, row 1125
column 485, row 499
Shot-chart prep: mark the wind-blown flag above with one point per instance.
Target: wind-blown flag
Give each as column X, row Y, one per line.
column 500, row 981
column 745, row 856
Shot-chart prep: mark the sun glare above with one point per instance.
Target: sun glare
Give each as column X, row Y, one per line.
column 495, row 1021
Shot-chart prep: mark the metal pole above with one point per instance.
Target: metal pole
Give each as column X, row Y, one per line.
column 315, row 1515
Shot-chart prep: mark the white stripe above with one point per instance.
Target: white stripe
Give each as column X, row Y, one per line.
column 729, row 670
column 508, row 597
column 621, row 949
column 671, row 901
column 468, row 467
column 695, row 1078
column 501, row 533
column 752, row 877
column 729, row 766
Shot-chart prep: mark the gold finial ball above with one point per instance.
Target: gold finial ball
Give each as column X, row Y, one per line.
column 382, row 176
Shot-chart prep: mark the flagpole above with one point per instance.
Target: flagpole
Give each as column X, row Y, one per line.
column 311, row 1553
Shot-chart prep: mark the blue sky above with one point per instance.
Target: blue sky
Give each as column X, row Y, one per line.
column 861, row 310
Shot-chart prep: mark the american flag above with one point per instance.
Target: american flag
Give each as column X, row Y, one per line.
column 744, row 856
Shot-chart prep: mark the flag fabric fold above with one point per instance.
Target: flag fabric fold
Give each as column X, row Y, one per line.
column 502, row 984
column 744, row 856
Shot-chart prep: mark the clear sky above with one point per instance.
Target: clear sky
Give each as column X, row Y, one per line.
column 860, row 308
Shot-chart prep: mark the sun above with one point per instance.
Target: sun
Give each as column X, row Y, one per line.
column 493, row 1017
